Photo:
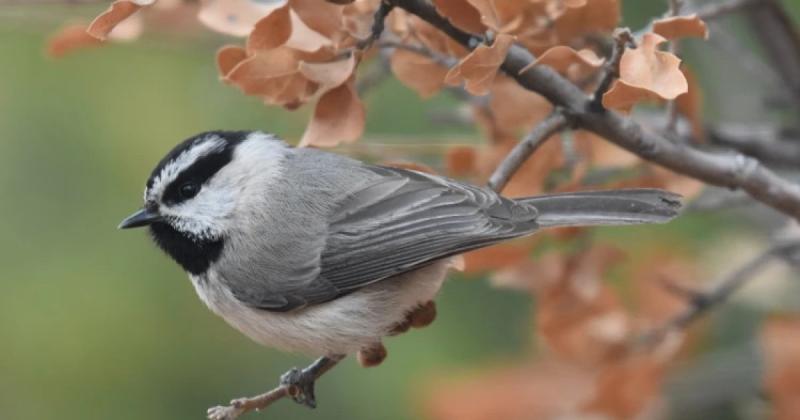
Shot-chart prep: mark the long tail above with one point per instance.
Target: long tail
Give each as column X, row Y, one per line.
column 612, row 207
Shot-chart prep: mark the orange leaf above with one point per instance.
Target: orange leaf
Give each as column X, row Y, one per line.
column 602, row 153
column 229, row 57
column 478, row 69
column 339, row 117
column 627, row 388
column 461, row 161
column 680, row 27
column 514, row 107
column 646, row 73
column 233, row 17
column 329, row 74
column 461, row 14
column 593, row 16
column 418, row 72
column 562, row 59
column 120, row 10
column 69, row 39
column 273, row 30
column 690, row 105
column 780, row 345
column 324, row 18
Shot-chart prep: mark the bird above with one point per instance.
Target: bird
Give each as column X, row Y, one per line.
column 313, row 252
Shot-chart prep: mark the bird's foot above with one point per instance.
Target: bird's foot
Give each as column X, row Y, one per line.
column 300, row 386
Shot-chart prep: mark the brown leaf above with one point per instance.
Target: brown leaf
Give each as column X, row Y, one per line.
column 544, row 390
column 461, row 161
column 780, row 346
column 514, row 107
column 234, row 17
column 562, row 59
column 331, row 74
column 338, row 117
column 628, row 387
column 690, row 105
column 681, row 27
column 69, row 39
column 499, row 256
column 591, row 17
column 229, row 57
column 103, row 24
column 271, row 31
column 461, row 14
column 478, row 69
column 418, row 72
column 530, row 178
column 646, row 73
column 602, row 153
column 323, row 18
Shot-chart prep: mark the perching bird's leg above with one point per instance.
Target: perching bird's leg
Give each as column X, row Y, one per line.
column 300, row 383
column 297, row 384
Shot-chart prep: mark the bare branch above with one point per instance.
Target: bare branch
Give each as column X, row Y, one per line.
column 734, row 171
column 525, row 148
column 700, row 303
column 622, row 38
column 295, row 384
column 378, row 25
column 764, row 143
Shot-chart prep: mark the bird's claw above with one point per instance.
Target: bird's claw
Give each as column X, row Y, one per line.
column 300, row 387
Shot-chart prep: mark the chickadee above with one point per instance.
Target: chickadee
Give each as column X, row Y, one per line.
column 312, row 252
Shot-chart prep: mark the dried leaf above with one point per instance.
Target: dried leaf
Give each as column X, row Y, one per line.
column 69, row 39
column 461, row 14
column 323, row 18
column 780, row 345
column 418, row 72
column 627, row 388
column 690, row 105
column 234, row 17
column 478, row 69
column 602, row 153
column 646, row 73
column 514, row 107
column 329, row 75
column 338, row 117
column 461, row 161
column 499, row 256
column 562, row 59
column 272, row 31
column 544, row 390
column 229, row 57
column 595, row 16
column 681, row 27
column 120, row 10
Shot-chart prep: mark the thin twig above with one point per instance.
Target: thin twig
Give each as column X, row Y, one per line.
column 735, row 171
column 622, row 38
column 525, row 148
column 675, row 7
column 440, row 59
column 242, row 406
column 701, row 303
column 378, row 25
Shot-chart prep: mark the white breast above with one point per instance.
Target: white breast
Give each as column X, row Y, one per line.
column 342, row 326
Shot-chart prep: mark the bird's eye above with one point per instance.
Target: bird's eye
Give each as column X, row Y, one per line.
column 189, row 190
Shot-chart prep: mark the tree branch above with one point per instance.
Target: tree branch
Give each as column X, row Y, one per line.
column 701, row 303
column 289, row 387
column 730, row 171
column 622, row 38
column 524, row 149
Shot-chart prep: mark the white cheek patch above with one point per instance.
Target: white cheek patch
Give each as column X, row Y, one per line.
column 256, row 164
column 179, row 164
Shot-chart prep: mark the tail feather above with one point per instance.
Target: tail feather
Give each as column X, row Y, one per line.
column 612, row 207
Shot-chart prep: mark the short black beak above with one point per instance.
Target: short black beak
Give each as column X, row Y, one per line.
column 141, row 218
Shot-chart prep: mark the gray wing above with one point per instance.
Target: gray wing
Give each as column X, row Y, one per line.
column 397, row 222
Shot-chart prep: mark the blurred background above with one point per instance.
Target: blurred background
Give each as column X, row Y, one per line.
column 96, row 323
